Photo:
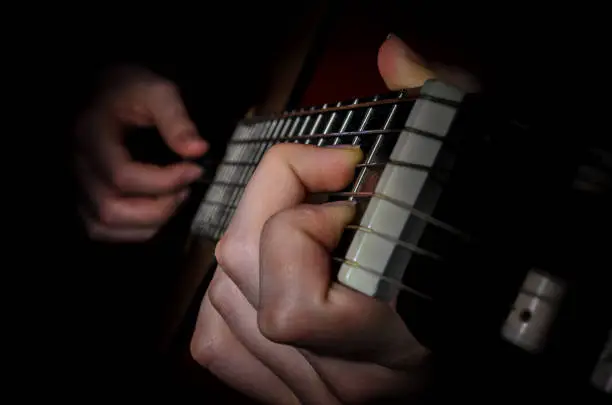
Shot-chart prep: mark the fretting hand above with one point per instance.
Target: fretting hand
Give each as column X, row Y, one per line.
column 273, row 323
column 127, row 200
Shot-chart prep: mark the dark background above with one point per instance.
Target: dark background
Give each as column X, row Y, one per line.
column 89, row 309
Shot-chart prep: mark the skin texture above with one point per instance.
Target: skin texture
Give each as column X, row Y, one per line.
column 273, row 323
column 126, row 200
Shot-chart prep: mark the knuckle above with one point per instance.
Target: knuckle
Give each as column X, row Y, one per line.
column 280, row 324
column 107, row 211
column 201, row 352
column 279, row 222
column 286, row 224
column 278, row 152
column 120, row 179
column 216, row 293
column 222, row 252
column 163, row 87
column 207, row 345
column 233, row 252
column 204, row 347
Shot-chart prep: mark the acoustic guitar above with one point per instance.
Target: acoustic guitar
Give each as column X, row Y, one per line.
column 477, row 217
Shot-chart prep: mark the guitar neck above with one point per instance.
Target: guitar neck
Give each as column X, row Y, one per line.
column 366, row 122
column 401, row 135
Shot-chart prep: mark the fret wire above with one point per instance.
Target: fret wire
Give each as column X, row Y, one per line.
column 416, row 166
column 403, row 244
column 365, row 132
column 374, row 149
column 291, row 133
column 340, row 134
column 407, row 96
column 346, row 122
column 328, row 125
column 293, row 128
column 274, row 135
column 315, row 125
column 241, row 170
column 369, row 195
column 304, row 126
column 250, row 151
column 364, row 122
column 244, row 152
column 397, row 283
column 235, row 189
column 219, row 192
column 246, row 175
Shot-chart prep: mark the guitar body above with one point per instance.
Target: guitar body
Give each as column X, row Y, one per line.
column 505, row 308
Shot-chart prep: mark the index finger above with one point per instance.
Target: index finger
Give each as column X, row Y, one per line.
column 164, row 102
column 118, row 168
column 283, row 178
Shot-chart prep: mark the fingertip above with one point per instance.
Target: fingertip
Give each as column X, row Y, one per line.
column 189, row 173
column 342, row 212
column 399, row 66
column 352, row 153
column 187, row 143
column 197, row 147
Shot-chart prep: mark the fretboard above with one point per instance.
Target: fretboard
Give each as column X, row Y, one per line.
column 371, row 123
column 397, row 184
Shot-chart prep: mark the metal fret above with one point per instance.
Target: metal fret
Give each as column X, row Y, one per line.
column 407, row 186
column 408, row 95
column 372, row 153
column 315, row 125
column 372, row 125
column 346, row 122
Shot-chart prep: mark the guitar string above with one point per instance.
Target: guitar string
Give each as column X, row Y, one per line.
column 404, row 96
column 276, row 130
column 251, row 164
column 370, row 132
column 438, row 174
column 369, row 195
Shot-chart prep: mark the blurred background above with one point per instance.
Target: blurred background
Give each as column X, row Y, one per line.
column 108, row 303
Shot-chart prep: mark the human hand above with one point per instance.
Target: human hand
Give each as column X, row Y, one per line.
column 128, row 200
column 273, row 323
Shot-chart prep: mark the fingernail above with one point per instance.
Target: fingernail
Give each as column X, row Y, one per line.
column 389, row 36
column 343, row 210
column 192, row 173
column 355, row 151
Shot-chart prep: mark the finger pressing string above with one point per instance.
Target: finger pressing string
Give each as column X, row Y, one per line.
column 297, row 304
column 282, row 180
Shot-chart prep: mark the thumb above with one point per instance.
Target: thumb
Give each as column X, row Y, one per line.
column 402, row 68
column 172, row 120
